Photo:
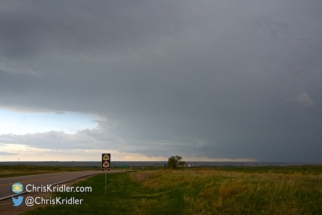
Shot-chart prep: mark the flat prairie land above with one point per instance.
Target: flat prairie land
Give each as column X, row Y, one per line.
column 21, row 170
column 226, row 190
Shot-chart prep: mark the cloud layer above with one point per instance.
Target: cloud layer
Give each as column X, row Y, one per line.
column 210, row 79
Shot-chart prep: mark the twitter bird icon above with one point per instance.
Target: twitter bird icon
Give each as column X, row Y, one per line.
column 17, row 201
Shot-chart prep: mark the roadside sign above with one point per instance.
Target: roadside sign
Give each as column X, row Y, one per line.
column 106, row 161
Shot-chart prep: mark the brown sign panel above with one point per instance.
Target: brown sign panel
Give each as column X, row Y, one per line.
column 106, row 161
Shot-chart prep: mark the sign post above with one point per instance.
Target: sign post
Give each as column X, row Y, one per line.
column 106, row 164
column 105, row 183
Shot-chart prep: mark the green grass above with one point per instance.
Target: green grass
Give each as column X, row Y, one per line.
column 123, row 196
column 303, row 169
column 211, row 191
column 243, row 190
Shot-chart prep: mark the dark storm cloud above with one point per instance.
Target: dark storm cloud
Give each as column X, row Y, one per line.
column 236, row 80
column 28, row 27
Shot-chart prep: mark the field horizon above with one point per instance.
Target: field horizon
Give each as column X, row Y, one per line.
column 154, row 163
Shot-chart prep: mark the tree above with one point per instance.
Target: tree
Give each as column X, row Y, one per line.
column 175, row 161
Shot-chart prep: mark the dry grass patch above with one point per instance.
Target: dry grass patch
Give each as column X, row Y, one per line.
column 220, row 192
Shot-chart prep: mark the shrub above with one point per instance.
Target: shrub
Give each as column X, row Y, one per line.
column 175, row 162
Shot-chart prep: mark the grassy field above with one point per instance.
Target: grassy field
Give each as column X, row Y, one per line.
column 226, row 190
column 20, row 170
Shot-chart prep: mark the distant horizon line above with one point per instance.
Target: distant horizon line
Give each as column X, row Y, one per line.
column 166, row 161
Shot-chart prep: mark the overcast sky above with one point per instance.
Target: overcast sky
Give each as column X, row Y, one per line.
column 145, row 80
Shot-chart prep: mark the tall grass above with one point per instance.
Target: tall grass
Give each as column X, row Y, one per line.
column 236, row 191
column 123, row 196
column 211, row 191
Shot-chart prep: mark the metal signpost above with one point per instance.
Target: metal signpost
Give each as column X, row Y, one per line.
column 106, row 164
